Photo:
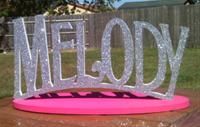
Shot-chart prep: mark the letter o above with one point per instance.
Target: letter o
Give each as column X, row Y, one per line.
column 106, row 67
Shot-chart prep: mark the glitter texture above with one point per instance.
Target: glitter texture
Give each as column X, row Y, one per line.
column 28, row 59
column 57, row 47
column 174, row 60
column 106, row 65
column 160, row 76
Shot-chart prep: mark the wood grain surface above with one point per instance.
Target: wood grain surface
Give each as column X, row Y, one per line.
column 190, row 117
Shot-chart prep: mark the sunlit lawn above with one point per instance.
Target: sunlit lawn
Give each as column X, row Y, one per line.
column 189, row 76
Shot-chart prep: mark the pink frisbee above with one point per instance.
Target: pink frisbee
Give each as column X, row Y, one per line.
column 98, row 103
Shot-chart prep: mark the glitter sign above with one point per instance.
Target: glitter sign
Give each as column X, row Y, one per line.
column 26, row 59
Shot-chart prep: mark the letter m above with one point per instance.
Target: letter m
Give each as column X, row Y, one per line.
column 28, row 58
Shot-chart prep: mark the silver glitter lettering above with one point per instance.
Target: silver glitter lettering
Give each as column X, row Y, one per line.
column 174, row 59
column 160, row 76
column 57, row 47
column 29, row 57
column 106, row 65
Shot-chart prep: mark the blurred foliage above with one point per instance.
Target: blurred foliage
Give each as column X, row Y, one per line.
column 16, row 8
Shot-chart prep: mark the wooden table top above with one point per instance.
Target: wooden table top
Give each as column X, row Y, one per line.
column 190, row 117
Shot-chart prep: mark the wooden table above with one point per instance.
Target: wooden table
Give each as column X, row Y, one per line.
column 190, row 117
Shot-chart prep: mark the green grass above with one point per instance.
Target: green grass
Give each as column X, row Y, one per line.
column 189, row 76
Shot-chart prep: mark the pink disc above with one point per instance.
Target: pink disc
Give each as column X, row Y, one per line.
column 98, row 103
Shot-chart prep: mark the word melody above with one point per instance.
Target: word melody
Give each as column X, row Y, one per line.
column 26, row 58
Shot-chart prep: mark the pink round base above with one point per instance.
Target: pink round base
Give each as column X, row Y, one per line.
column 98, row 103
